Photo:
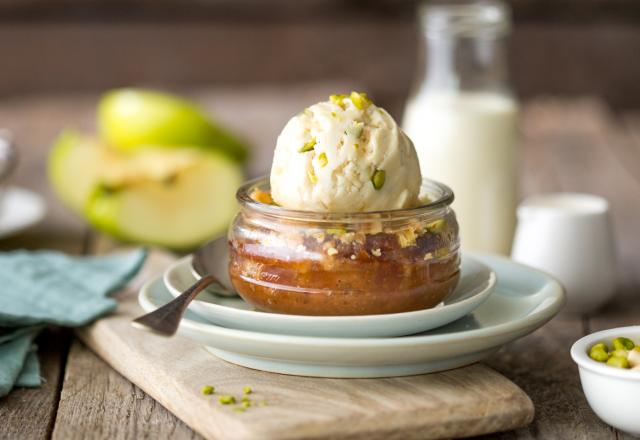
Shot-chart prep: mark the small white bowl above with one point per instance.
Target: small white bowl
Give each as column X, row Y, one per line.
column 613, row 393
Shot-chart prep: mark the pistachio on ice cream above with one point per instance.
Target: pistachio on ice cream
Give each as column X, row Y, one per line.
column 344, row 155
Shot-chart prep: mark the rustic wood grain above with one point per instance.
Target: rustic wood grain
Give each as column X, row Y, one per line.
column 541, row 365
column 97, row 402
column 30, row 413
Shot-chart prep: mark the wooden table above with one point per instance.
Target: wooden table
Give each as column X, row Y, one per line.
column 574, row 145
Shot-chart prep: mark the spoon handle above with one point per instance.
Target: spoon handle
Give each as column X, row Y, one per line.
column 166, row 319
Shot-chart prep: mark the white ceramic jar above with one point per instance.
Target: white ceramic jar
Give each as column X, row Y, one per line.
column 569, row 235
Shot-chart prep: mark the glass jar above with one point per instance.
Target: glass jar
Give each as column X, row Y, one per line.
column 311, row 263
column 462, row 118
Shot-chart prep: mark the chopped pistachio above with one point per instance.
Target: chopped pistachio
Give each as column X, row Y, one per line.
column 246, row 404
column 247, row 390
column 441, row 252
column 239, row 409
column 620, row 353
column 378, row 178
column 599, row 352
column 406, row 237
column 356, row 146
column 618, row 362
column 208, row 389
column 437, row 226
column 308, row 146
column 338, row 99
column 245, row 399
column 334, row 114
column 336, row 231
column 312, row 176
column 322, row 159
column 623, row 343
column 355, row 130
column 227, row 400
column 360, row 100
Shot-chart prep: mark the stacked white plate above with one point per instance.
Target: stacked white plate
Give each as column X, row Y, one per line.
column 496, row 302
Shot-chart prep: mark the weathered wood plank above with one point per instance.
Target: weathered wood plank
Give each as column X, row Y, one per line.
column 541, row 365
column 97, row 402
column 30, row 413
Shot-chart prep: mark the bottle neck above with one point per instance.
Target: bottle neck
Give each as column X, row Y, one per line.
column 465, row 63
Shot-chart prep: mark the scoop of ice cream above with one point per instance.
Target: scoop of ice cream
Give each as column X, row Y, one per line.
column 344, row 155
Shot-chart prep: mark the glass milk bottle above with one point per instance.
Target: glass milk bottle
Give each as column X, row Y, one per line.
column 462, row 118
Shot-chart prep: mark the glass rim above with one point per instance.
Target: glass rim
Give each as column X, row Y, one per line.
column 243, row 195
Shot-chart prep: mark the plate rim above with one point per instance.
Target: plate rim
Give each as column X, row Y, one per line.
column 546, row 309
column 490, row 284
column 35, row 200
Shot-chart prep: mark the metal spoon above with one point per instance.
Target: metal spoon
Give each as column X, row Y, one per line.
column 166, row 319
column 208, row 259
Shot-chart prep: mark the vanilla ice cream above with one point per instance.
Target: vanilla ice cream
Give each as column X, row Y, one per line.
column 344, row 155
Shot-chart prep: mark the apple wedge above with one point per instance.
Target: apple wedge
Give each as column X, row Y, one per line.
column 177, row 206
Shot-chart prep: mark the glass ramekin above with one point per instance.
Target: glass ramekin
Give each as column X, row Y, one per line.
column 363, row 263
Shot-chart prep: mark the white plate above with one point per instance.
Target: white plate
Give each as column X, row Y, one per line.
column 19, row 209
column 524, row 299
column 477, row 282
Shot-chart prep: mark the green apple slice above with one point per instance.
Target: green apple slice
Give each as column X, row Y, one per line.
column 177, row 208
column 75, row 166
column 134, row 118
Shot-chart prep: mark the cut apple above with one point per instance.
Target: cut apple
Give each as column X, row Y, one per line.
column 176, row 198
column 179, row 209
column 133, row 118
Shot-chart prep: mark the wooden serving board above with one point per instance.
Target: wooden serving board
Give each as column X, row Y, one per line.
column 458, row 403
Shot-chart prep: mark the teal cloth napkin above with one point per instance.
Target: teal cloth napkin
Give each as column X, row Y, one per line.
column 50, row 288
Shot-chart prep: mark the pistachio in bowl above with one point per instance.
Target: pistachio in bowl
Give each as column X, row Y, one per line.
column 609, row 366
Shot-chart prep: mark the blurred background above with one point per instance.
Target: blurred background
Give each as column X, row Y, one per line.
column 564, row 47
column 252, row 64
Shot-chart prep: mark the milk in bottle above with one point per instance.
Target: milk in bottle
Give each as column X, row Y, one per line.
column 462, row 119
